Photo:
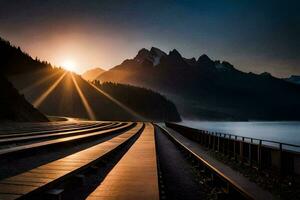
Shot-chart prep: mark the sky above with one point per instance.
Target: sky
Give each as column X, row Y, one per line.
column 253, row 35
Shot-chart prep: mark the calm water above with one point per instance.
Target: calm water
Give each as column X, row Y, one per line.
column 285, row 132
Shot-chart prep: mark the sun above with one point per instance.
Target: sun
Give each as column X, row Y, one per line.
column 69, row 65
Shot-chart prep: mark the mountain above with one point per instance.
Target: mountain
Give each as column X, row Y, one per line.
column 14, row 107
column 293, row 79
column 92, row 74
column 209, row 89
column 55, row 91
column 67, row 94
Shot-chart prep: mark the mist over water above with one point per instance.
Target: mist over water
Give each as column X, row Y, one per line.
column 285, row 132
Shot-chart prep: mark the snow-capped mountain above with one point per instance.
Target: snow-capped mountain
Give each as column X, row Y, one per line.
column 206, row 88
column 154, row 56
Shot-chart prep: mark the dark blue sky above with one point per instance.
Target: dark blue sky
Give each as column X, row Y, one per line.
column 253, row 35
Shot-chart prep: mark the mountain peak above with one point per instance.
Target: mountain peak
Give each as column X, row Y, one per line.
column 175, row 53
column 174, row 59
column 267, row 74
column 142, row 55
column 154, row 55
column 157, row 51
column 191, row 61
column 204, row 58
column 92, row 74
column 143, row 50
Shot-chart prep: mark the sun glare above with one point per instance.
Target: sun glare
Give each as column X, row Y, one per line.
column 69, row 65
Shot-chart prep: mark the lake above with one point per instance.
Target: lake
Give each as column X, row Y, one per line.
column 285, row 132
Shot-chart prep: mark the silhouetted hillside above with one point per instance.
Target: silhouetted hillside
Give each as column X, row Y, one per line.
column 67, row 94
column 14, row 107
column 91, row 74
column 146, row 102
column 15, row 61
column 57, row 92
column 209, row 89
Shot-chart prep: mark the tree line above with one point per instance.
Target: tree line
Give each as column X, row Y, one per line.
column 14, row 61
column 146, row 102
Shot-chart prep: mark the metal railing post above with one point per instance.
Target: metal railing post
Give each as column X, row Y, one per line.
column 234, row 148
column 250, row 152
column 259, row 155
column 280, row 159
column 242, row 150
column 219, row 142
column 214, row 141
column 223, row 143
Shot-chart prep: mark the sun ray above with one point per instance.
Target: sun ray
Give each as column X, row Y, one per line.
column 138, row 116
column 86, row 104
column 42, row 98
column 38, row 83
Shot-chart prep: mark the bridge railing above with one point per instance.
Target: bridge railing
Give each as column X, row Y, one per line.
column 257, row 153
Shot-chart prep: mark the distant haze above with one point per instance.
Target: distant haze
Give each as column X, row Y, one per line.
column 253, row 35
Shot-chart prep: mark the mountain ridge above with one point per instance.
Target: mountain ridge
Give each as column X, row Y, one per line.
column 93, row 73
column 210, row 85
column 14, row 107
column 57, row 92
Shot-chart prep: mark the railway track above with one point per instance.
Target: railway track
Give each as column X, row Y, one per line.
column 125, row 160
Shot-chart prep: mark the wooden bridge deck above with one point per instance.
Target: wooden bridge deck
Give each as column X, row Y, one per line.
column 135, row 175
column 42, row 177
